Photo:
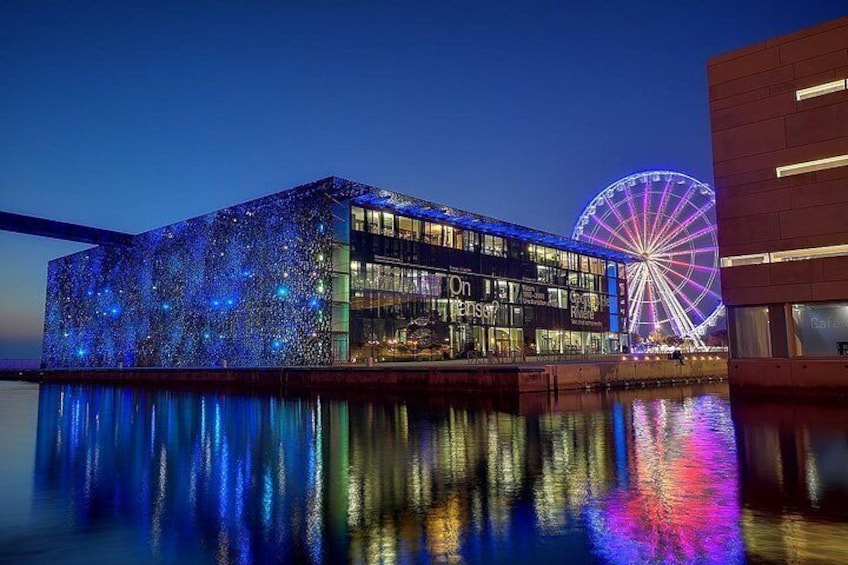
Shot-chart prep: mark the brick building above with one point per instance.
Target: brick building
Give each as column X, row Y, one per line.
column 779, row 116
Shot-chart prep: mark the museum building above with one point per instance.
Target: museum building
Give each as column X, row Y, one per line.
column 779, row 113
column 333, row 272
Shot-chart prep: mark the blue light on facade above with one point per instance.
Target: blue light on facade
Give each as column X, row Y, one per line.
column 210, row 289
column 195, row 293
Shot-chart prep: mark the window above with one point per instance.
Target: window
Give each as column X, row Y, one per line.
column 341, row 285
column 781, row 256
column 409, row 228
column 450, row 237
column 357, row 276
column 517, row 316
column 340, row 317
column 341, row 221
column 494, row 245
column 821, row 329
column 557, row 298
column 341, row 258
column 358, row 218
column 432, row 233
column 372, row 218
column 501, row 291
column 596, row 266
column 545, row 274
column 809, row 253
column 550, row 256
column 388, row 224
column 742, row 260
column 471, row 240
column 821, row 89
column 531, row 253
column 753, row 336
column 811, row 166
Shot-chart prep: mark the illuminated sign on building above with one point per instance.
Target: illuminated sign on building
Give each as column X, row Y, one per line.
column 459, row 289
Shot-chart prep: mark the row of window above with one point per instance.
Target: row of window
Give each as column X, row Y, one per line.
column 406, row 280
column 819, row 329
column 420, row 280
column 402, row 311
column 393, row 225
column 390, row 341
column 783, row 256
column 572, row 261
column 575, row 342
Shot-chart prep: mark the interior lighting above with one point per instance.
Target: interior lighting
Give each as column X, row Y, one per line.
column 812, row 166
column 789, row 255
column 821, row 89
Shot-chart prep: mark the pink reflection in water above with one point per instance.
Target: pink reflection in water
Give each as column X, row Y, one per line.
column 681, row 505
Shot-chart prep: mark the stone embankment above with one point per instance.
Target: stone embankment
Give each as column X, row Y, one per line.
column 618, row 372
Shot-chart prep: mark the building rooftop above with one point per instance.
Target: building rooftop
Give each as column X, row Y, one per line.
column 374, row 197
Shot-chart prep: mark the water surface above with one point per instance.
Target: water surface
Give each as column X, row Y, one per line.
column 136, row 475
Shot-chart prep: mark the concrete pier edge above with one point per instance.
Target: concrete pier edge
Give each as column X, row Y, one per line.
column 491, row 379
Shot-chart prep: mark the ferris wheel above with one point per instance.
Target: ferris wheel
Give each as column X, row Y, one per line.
column 666, row 221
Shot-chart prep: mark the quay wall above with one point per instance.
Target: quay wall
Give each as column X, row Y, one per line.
column 635, row 373
column 492, row 379
column 787, row 375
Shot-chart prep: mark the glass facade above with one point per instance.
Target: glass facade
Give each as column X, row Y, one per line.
column 430, row 290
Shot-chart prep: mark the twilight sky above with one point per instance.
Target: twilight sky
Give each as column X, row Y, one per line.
column 128, row 116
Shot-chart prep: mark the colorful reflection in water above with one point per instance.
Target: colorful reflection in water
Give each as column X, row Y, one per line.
column 681, row 503
column 134, row 475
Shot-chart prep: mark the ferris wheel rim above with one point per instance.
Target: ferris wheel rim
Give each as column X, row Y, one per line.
column 601, row 195
column 695, row 314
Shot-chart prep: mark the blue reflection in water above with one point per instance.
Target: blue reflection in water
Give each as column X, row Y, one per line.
column 147, row 460
column 202, row 476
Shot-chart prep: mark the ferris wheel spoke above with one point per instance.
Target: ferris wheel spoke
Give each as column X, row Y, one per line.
column 646, row 199
column 699, row 214
column 652, row 295
column 660, row 209
column 672, row 218
column 615, row 211
column 637, row 296
column 674, row 292
column 687, row 238
column 679, row 316
column 693, row 266
column 710, row 249
column 694, row 284
column 634, row 218
column 680, row 282
column 701, row 289
column 605, row 243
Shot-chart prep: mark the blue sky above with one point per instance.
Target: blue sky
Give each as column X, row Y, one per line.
column 129, row 116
